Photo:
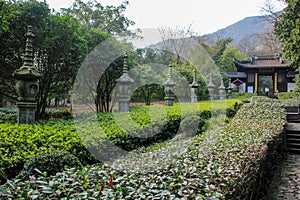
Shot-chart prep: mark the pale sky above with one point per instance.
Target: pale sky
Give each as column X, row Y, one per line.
column 206, row 16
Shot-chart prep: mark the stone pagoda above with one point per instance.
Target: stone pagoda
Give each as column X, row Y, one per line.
column 211, row 88
column 194, row 87
column 169, row 89
column 222, row 92
column 124, row 87
column 27, row 86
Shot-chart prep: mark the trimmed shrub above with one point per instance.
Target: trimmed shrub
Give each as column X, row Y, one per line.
column 243, row 95
column 285, row 95
column 220, row 164
column 206, row 114
column 58, row 114
column 49, row 164
column 22, row 142
column 230, row 112
column 8, row 115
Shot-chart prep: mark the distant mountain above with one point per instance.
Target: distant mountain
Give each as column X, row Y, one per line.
column 237, row 31
column 241, row 29
column 149, row 36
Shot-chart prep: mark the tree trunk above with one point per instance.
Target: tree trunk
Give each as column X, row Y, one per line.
column 42, row 102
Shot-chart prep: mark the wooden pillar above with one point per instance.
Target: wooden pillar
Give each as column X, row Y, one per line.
column 275, row 82
column 256, row 83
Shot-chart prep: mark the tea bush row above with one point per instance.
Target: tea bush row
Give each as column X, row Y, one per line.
column 20, row 143
column 219, row 164
column 8, row 115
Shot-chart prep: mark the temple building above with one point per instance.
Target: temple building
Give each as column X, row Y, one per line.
column 264, row 75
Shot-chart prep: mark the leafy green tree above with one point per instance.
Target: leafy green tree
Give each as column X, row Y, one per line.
column 61, row 51
column 58, row 49
column 94, row 37
column 107, row 84
column 108, row 19
column 96, row 79
column 13, row 41
column 99, row 23
column 157, row 59
column 6, row 13
column 225, row 61
column 166, row 57
column 222, row 53
column 287, row 29
column 188, row 72
column 218, row 49
column 60, row 45
column 149, row 82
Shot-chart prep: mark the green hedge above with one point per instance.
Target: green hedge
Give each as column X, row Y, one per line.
column 243, row 95
column 285, row 95
column 8, row 115
column 136, row 129
column 48, row 164
column 220, row 164
column 58, row 114
column 22, row 142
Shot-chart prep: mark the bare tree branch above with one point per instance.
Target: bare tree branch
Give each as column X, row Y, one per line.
column 179, row 41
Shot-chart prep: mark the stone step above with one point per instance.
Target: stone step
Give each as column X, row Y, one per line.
column 292, row 135
column 296, row 150
column 291, row 109
column 293, row 139
column 294, row 121
column 293, row 144
column 292, row 117
column 292, row 127
column 293, row 149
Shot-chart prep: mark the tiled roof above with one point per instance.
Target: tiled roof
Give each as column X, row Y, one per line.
column 263, row 61
column 27, row 72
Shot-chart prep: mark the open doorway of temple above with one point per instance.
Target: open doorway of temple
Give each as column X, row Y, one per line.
column 265, row 85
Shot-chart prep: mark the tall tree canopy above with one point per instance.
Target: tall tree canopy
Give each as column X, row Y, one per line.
column 61, row 43
column 13, row 41
column 94, row 15
column 287, row 29
column 6, row 12
column 222, row 53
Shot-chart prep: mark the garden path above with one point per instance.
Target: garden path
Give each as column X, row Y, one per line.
column 286, row 184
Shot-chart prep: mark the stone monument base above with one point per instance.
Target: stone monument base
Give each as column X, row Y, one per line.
column 169, row 101
column 194, row 99
column 123, row 103
column 26, row 112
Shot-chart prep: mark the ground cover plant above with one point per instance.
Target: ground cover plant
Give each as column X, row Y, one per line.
column 222, row 163
column 21, row 143
column 8, row 115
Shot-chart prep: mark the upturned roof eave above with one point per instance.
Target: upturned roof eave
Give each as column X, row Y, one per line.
column 245, row 65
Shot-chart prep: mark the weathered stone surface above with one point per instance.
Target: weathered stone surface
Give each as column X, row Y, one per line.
column 289, row 183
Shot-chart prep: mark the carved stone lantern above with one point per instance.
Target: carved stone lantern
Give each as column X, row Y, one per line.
column 124, row 88
column 211, row 88
column 169, row 89
column 229, row 90
column 222, row 92
column 27, row 87
column 194, row 87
